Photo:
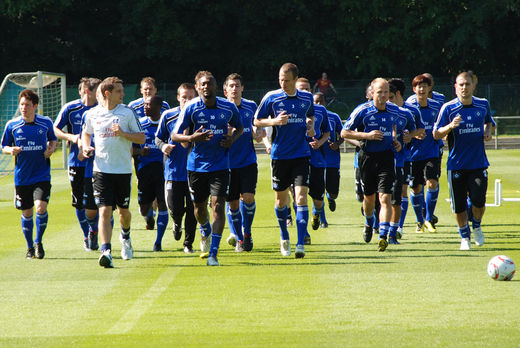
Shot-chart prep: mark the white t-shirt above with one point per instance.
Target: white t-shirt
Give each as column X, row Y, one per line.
column 113, row 153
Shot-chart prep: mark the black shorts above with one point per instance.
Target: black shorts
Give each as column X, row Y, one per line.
column 397, row 189
column 25, row 195
column 150, row 183
column 464, row 183
column 204, row 184
column 332, row 180
column 242, row 180
column 377, row 171
column 77, row 183
column 88, row 195
column 407, row 172
column 287, row 172
column 428, row 169
column 110, row 189
column 317, row 183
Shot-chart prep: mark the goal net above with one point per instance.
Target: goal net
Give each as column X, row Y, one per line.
column 51, row 90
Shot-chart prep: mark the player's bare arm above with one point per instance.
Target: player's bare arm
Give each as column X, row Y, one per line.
column 443, row 131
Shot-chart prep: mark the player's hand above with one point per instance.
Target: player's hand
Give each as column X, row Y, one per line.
column 226, row 141
column 200, row 135
column 487, row 136
column 397, row 145
column 314, row 144
column 88, row 152
column 48, row 153
column 167, row 149
column 15, row 150
column 421, row 134
column 375, row 135
column 334, row 145
column 281, row 119
column 310, row 127
column 407, row 137
column 117, row 129
column 456, row 122
column 268, row 149
column 145, row 151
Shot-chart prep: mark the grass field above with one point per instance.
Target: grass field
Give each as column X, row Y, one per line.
column 424, row 292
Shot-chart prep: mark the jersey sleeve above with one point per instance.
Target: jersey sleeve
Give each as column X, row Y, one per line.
column 236, row 120
column 325, row 125
column 63, row 118
column 162, row 131
column 263, row 109
column 353, row 120
column 134, row 125
column 184, row 120
column 311, row 111
column 442, row 119
column 51, row 136
column 7, row 137
column 410, row 121
column 488, row 118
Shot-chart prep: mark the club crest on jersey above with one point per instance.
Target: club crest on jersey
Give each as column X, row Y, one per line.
column 303, row 105
column 222, row 116
column 40, row 131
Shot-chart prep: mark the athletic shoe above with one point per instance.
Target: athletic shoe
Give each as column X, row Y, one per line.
column 150, row 223
column 299, row 251
column 285, row 247
column 307, row 240
column 393, row 240
column 399, row 233
column 248, row 242
column 205, row 243
column 86, row 244
column 177, row 231
column 127, row 252
column 465, row 244
column 30, row 253
column 105, row 260
column 435, row 219
column 479, row 236
column 419, row 228
column 289, row 220
column 39, row 252
column 188, row 249
column 382, row 245
column 212, row 261
column 157, row 247
column 367, row 233
column 204, row 255
column 430, row 226
column 232, row 240
column 239, row 247
column 324, row 224
column 93, row 240
column 332, row 204
column 315, row 221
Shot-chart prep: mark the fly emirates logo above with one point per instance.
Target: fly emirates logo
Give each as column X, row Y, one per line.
column 31, row 146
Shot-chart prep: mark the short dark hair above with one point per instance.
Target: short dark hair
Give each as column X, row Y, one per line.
column 108, row 84
column 30, row 95
column 231, row 77
column 290, row 67
column 397, row 84
column 148, row 79
column 90, row 82
column 421, row 79
column 156, row 100
column 203, row 73
column 186, row 85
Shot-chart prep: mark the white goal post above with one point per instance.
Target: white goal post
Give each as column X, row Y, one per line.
column 51, row 90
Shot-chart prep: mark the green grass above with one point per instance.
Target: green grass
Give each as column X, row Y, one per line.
column 424, row 292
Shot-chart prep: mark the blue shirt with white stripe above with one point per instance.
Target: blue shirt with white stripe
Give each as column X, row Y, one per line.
column 242, row 152
column 333, row 157
column 428, row 147
column 154, row 154
column 138, row 106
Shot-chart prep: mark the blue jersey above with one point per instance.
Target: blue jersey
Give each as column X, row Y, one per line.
column 288, row 141
column 138, row 106
column 154, row 154
column 71, row 116
column 405, row 120
column 418, row 125
column 208, row 156
column 175, row 163
column 333, row 157
column 31, row 166
column 242, row 152
column 321, row 125
column 366, row 118
column 438, row 97
column 89, row 162
column 466, row 142
column 428, row 147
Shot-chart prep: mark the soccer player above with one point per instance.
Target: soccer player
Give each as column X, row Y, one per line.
column 150, row 178
column 291, row 114
column 424, row 155
column 31, row 140
column 114, row 127
column 204, row 121
column 467, row 122
column 244, row 169
column 148, row 89
column 373, row 124
column 332, row 158
column 178, row 199
column 317, row 160
column 71, row 116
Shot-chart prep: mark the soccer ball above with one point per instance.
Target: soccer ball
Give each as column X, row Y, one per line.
column 501, row 267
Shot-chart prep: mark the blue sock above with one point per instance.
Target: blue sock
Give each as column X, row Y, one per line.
column 106, row 246
column 431, row 202
column 215, row 243
column 232, row 229
column 82, row 218
column 369, row 220
column 475, row 223
column 236, row 222
column 125, row 232
column 281, row 215
column 417, row 201
column 393, row 230
column 465, row 232
column 384, row 227
column 302, row 220
column 248, row 214
column 41, row 224
column 323, row 219
column 288, row 211
column 93, row 223
column 404, row 210
column 27, row 229
column 205, row 229
column 162, row 223
column 151, row 214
